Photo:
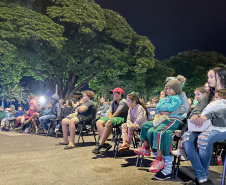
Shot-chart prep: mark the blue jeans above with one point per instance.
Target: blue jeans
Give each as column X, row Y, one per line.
column 44, row 120
column 200, row 156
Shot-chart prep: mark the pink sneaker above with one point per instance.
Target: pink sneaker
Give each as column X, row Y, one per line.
column 142, row 151
column 157, row 165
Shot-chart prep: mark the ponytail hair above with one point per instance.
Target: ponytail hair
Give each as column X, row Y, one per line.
column 135, row 97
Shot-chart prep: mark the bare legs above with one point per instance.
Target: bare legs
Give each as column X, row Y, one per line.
column 71, row 123
column 104, row 132
column 35, row 115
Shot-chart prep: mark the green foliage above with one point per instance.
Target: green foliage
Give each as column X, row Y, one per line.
column 84, row 13
column 194, row 65
column 70, row 43
column 24, row 38
column 109, row 44
column 13, row 90
column 146, row 84
column 20, row 25
column 117, row 28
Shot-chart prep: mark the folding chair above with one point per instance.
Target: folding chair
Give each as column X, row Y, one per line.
column 138, row 157
column 91, row 122
column 135, row 140
column 116, row 131
column 63, row 114
column 222, row 146
column 177, row 159
column 223, row 173
column 142, row 157
column 116, row 139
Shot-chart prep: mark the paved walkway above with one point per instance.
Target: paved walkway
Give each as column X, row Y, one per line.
column 31, row 159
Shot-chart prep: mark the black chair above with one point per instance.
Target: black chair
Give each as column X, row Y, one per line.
column 223, row 173
column 63, row 114
column 117, row 133
column 116, row 137
column 135, row 139
column 219, row 146
column 90, row 122
column 177, row 159
column 140, row 158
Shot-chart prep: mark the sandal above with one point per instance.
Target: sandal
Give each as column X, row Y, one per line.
column 60, row 143
column 69, row 147
column 123, row 148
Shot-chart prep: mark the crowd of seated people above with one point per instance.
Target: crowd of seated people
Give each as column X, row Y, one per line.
column 157, row 121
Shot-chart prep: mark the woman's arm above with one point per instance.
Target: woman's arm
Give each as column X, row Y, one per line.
column 184, row 108
column 218, row 118
column 129, row 121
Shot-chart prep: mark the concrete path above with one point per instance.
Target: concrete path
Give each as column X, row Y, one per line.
column 32, row 159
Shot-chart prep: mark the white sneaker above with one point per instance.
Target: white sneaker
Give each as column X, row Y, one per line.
column 180, row 151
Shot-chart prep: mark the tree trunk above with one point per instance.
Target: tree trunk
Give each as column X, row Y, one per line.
column 70, row 91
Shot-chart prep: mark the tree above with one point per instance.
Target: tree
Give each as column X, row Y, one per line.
column 24, row 37
column 101, row 39
column 13, row 90
column 194, row 65
column 70, row 42
column 145, row 84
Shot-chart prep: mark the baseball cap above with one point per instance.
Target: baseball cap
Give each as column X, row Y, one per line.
column 117, row 89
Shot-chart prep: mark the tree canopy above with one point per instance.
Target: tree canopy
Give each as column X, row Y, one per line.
column 70, row 42
column 194, row 65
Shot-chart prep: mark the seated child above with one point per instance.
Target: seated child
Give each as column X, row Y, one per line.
column 152, row 108
column 4, row 121
column 158, row 137
column 137, row 115
column 47, row 111
column 11, row 115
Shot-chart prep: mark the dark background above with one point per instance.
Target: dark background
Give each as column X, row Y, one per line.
column 174, row 26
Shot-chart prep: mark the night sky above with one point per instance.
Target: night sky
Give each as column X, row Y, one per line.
column 174, row 26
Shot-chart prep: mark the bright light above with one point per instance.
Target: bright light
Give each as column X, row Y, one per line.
column 42, row 100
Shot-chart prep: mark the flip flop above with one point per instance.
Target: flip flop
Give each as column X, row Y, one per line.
column 59, row 144
column 69, row 147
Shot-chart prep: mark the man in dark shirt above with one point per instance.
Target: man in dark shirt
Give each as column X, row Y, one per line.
column 117, row 115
